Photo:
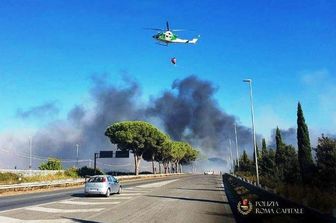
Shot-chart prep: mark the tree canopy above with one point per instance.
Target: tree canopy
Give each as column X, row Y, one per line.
column 51, row 164
column 304, row 148
column 146, row 141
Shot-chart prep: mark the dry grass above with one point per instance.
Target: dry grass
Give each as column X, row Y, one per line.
column 11, row 178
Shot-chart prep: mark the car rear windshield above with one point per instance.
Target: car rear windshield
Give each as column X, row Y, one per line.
column 96, row 179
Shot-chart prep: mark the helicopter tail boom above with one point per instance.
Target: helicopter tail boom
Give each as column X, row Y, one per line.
column 193, row 41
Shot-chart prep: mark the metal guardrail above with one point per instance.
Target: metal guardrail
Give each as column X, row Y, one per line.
column 231, row 182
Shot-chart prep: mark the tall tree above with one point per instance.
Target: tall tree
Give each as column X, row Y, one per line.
column 164, row 154
column 263, row 147
column 136, row 137
column 179, row 149
column 291, row 171
column 264, row 157
column 304, row 148
column 244, row 162
column 271, row 162
column 190, row 156
column 326, row 163
column 279, row 154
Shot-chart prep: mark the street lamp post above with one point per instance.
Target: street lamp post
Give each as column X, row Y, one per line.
column 231, row 158
column 249, row 81
column 235, row 128
column 30, row 152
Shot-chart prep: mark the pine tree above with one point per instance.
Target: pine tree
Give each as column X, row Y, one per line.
column 326, row 163
column 263, row 147
column 264, row 157
column 304, row 148
column 291, row 165
column 271, row 156
column 244, row 163
column 279, row 154
column 258, row 154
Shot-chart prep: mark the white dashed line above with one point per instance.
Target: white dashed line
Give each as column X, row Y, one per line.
column 15, row 220
column 56, row 210
column 158, row 184
column 87, row 203
column 127, row 194
column 104, row 199
column 134, row 191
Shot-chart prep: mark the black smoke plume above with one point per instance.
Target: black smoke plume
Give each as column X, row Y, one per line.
column 188, row 111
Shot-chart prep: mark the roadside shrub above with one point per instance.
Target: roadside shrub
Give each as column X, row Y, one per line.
column 71, row 172
column 87, row 171
column 51, row 164
column 309, row 196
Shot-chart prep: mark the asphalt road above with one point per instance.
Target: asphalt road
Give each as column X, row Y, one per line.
column 23, row 200
column 192, row 198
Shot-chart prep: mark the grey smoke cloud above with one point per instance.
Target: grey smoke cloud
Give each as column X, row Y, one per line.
column 188, row 111
column 87, row 126
column 44, row 110
column 288, row 137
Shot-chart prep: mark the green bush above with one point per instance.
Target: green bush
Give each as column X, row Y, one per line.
column 51, row 164
column 87, row 171
column 71, row 172
column 309, row 196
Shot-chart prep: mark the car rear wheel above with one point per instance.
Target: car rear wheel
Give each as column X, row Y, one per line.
column 108, row 193
column 119, row 191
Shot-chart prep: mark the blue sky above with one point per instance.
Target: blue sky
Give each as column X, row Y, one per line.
column 50, row 49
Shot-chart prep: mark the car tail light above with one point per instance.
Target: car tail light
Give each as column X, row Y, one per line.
column 104, row 179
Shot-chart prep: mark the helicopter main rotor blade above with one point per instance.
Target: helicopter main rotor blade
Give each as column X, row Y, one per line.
column 156, row 29
column 179, row 30
column 167, row 24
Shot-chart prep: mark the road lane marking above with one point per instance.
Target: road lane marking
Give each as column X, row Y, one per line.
column 87, row 203
column 127, row 194
column 135, row 188
column 15, row 220
column 158, row 184
column 56, row 210
column 134, row 191
column 9, row 220
column 112, row 198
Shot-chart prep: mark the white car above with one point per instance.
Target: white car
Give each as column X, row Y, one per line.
column 102, row 185
column 209, row 172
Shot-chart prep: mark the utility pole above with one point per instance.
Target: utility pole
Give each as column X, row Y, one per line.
column 77, row 145
column 30, row 153
column 249, row 81
column 235, row 129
